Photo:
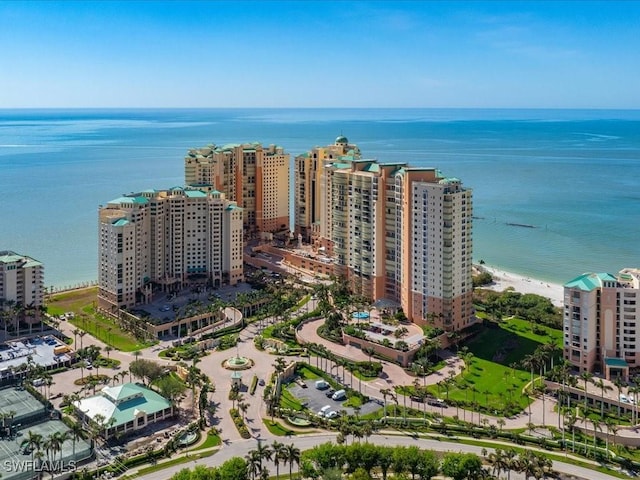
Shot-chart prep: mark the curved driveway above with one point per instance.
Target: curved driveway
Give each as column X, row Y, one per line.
column 263, row 361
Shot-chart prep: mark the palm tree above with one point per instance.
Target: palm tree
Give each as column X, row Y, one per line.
column 278, row 454
column 76, row 332
column 386, row 392
column 263, row 452
column 76, row 433
column 81, row 334
column 369, row 351
column 602, row 386
column 292, row 455
column 586, row 377
column 619, row 384
column 597, row 425
column 34, row 442
column 253, row 463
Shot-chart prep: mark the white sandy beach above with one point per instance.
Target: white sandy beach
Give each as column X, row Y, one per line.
column 503, row 280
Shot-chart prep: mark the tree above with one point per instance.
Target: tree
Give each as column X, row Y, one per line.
column 278, row 455
column 619, row 384
column 146, row 370
column 76, row 432
column 292, row 456
column 34, row 442
column 586, row 377
column 602, row 386
column 170, row 388
column 233, row 469
column 461, row 466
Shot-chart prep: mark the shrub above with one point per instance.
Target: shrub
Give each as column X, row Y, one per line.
column 254, row 384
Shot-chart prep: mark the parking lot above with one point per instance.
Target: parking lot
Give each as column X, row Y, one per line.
column 316, row 399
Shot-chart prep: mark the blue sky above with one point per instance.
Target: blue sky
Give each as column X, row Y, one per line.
column 320, row 54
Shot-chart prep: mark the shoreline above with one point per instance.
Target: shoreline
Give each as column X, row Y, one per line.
column 503, row 279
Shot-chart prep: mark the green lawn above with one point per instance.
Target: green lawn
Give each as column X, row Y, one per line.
column 213, row 440
column 287, row 400
column 308, row 374
column 277, row 428
column 109, row 332
column 82, row 303
column 497, row 386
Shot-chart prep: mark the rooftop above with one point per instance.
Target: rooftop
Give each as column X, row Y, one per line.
column 615, row 362
column 7, row 256
column 590, row 281
column 122, row 403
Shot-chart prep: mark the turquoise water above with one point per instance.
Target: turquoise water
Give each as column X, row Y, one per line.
column 574, row 175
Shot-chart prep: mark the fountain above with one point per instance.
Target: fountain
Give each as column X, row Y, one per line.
column 237, row 363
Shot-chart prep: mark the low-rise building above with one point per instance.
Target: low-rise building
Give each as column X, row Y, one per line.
column 123, row 409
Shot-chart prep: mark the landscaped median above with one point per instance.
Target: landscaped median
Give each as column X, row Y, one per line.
column 239, row 423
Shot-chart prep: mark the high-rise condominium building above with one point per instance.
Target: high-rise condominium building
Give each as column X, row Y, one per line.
column 309, row 187
column 395, row 233
column 256, row 178
column 166, row 239
column 602, row 322
column 21, row 283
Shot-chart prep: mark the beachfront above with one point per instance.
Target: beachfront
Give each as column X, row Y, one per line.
column 503, row 280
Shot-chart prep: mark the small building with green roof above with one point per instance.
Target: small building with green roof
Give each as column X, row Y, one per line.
column 123, row 409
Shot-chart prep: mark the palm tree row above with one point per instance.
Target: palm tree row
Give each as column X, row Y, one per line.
column 276, row 453
column 530, row 463
column 51, row 445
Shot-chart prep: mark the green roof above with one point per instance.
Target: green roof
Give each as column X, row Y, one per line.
column 195, row 194
column 122, row 403
column 133, row 199
column 372, row 167
column 340, row 166
column 7, row 256
column 121, row 222
column 449, row 180
column 615, row 362
column 590, row 281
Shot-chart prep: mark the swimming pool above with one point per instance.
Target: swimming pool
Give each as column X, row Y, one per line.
column 360, row 315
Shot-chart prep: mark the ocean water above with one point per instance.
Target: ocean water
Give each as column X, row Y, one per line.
column 573, row 175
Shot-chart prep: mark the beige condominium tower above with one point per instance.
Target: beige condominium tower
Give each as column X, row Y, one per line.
column 255, row 177
column 309, row 207
column 602, row 322
column 21, row 286
column 396, row 233
column 166, row 239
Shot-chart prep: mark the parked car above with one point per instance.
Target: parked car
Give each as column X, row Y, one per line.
column 324, row 410
column 339, row 395
column 329, row 393
column 322, row 384
column 331, row 414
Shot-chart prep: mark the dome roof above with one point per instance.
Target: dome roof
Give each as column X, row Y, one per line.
column 342, row 140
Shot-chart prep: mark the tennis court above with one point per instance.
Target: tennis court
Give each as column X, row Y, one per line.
column 17, row 461
column 26, row 408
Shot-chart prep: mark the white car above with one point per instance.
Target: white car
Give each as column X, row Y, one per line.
column 323, row 411
column 623, row 398
column 331, row 414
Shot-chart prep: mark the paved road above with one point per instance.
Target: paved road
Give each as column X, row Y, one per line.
column 263, row 367
column 241, row 448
